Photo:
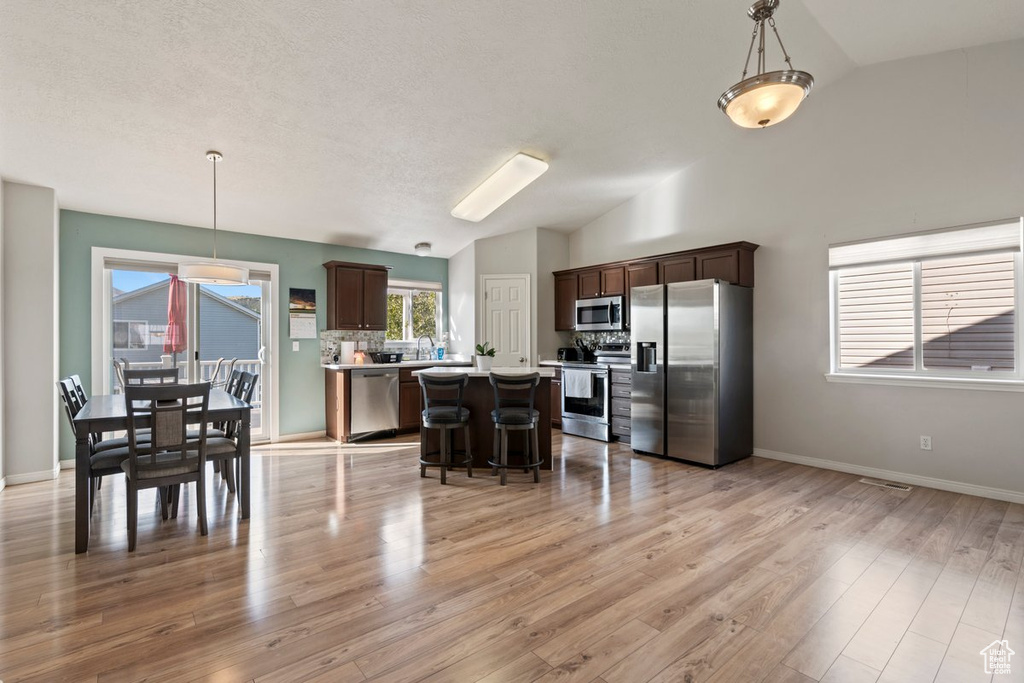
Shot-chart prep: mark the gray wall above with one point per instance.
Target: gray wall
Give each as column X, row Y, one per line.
column 876, row 153
column 31, row 335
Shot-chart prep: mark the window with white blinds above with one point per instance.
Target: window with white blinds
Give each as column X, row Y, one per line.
column 938, row 304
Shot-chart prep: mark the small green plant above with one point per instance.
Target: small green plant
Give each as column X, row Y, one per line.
column 485, row 349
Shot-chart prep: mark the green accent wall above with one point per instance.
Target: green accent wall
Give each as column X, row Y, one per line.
column 301, row 384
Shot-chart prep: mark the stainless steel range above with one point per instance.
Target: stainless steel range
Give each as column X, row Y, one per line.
column 586, row 393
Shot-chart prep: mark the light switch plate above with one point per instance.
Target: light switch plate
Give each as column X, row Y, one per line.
column 295, row 346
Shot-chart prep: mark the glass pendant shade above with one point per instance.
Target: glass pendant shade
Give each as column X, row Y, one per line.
column 213, row 273
column 765, row 99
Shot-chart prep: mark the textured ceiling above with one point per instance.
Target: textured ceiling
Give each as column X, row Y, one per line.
column 872, row 31
column 364, row 122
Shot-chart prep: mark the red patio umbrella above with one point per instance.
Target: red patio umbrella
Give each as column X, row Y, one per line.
column 176, row 337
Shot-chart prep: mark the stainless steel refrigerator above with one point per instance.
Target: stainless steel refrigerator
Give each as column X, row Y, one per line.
column 692, row 363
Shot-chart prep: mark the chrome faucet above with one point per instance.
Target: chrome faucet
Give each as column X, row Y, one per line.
column 430, row 339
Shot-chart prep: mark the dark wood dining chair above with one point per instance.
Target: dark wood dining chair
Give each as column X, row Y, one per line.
column 224, row 449
column 150, row 376
column 104, row 458
column 170, row 459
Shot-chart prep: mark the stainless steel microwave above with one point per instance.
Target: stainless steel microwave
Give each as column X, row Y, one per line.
column 601, row 315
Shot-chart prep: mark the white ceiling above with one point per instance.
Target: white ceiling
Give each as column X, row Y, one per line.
column 364, row 122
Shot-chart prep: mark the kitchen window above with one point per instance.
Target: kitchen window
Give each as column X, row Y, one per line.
column 414, row 309
column 928, row 307
column 131, row 334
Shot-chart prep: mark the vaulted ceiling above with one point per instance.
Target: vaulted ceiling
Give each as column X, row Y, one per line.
column 364, row 123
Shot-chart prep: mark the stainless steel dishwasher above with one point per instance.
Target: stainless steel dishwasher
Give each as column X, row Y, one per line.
column 374, row 400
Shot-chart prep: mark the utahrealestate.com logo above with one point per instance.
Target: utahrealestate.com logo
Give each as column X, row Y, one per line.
column 997, row 657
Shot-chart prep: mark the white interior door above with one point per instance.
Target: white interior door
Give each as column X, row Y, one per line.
column 506, row 317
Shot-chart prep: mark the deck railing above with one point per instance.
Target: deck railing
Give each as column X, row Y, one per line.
column 206, row 373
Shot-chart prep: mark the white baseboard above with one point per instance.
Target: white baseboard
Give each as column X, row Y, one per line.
column 301, row 436
column 889, row 475
column 68, row 464
column 30, row 477
column 3, row 483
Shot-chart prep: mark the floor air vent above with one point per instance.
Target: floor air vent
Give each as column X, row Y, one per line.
column 887, row 484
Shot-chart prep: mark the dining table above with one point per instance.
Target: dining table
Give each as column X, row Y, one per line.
column 107, row 413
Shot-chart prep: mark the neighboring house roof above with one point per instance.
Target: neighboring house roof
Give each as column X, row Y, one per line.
column 126, row 296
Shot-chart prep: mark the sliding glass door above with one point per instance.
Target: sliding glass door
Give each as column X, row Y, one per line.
column 154, row 320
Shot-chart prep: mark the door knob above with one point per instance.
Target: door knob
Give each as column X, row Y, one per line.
column 522, row 360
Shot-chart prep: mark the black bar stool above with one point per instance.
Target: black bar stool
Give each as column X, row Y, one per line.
column 442, row 410
column 514, row 411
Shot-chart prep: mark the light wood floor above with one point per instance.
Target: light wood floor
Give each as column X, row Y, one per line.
column 615, row 568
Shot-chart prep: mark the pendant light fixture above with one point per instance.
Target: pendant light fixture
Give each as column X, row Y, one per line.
column 769, row 97
column 213, row 272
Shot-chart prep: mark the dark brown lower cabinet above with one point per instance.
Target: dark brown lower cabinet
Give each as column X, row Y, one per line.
column 622, row 386
column 556, row 399
column 409, row 398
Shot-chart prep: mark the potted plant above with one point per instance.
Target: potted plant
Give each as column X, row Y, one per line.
column 484, row 357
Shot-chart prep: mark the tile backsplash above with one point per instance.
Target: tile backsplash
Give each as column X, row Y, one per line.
column 330, row 341
column 595, row 338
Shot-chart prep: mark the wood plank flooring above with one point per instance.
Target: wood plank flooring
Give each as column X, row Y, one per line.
column 616, row 568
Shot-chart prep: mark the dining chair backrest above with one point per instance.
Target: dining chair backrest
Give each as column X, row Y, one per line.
column 244, row 388
column 233, row 381
column 165, row 410
column 154, row 376
column 83, row 398
column 443, row 390
column 514, row 391
column 69, row 397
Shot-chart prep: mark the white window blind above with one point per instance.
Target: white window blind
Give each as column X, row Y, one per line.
column 938, row 304
column 967, row 312
column 967, row 239
column 876, row 316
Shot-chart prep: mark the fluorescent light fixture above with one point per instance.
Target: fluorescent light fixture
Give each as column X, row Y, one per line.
column 505, row 183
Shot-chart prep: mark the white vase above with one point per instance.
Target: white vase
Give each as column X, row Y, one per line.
column 483, row 363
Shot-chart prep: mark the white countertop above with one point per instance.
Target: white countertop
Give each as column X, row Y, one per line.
column 473, row 372
column 403, row 364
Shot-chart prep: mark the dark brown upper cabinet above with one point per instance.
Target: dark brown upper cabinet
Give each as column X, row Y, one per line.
column 565, row 302
column 356, row 296
column 641, row 275
column 731, row 265
column 589, row 284
column 677, row 269
column 599, row 282
column 613, row 281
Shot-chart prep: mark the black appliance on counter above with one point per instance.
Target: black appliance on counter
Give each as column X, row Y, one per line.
column 568, row 353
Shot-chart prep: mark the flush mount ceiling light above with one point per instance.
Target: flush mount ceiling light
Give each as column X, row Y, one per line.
column 213, row 272
column 517, row 173
column 422, row 249
column 767, row 98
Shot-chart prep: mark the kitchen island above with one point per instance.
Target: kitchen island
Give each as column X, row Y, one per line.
column 479, row 398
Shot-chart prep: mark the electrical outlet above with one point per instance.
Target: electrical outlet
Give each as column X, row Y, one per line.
column 926, row 443
column 295, row 347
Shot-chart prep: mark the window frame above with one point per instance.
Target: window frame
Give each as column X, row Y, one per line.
column 407, row 289
column 919, row 374
column 129, row 323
